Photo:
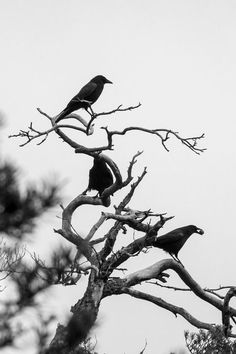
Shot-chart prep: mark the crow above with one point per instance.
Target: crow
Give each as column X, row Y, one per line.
column 100, row 178
column 89, row 94
column 173, row 241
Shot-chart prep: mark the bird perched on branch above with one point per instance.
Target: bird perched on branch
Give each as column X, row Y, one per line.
column 100, row 178
column 86, row 96
column 173, row 241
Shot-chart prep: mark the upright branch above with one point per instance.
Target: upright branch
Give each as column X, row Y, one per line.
column 94, row 115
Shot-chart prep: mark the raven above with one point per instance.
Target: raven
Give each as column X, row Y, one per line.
column 89, row 94
column 173, row 241
column 100, row 178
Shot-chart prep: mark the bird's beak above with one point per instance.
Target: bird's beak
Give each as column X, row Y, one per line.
column 200, row 231
column 108, row 82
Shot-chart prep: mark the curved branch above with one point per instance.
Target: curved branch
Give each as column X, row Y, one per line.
column 161, row 266
column 167, row 306
column 66, row 230
column 163, row 134
column 156, row 271
column 118, row 109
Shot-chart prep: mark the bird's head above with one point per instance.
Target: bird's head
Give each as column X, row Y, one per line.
column 197, row 230
column 101, row 78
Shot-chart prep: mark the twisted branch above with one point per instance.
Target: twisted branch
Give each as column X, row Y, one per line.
column 163, row 134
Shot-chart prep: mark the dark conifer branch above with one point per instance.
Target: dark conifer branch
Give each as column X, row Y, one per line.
column 226, row 313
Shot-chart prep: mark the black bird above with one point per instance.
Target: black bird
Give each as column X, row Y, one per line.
column 100, row 178
column 89, row 93
column 173, row 241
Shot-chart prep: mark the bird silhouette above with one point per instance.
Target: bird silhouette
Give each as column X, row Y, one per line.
column 100, row 178
column 86, row 96
column 173, row 241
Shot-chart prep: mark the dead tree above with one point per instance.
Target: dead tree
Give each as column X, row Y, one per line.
column 101, row 264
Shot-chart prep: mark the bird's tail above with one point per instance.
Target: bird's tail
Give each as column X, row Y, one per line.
column 63, row 114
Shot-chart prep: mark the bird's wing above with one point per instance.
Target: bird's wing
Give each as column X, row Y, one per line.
column 86, row 91
column 172, row 236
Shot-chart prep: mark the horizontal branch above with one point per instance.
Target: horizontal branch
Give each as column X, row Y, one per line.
column 175, row 288
column 163, row 134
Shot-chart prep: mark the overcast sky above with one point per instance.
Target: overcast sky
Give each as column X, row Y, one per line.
column 178, row 59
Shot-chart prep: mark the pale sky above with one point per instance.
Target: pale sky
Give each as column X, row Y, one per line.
column 178, row 59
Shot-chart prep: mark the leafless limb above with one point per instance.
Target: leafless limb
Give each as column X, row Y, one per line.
column 110, row 237
column 95, row 227
column 145, row 346
column 157, row 270
column 211, row 291
column 94, row 115
column 168, row 287
column 32, row 133
column 169, row 307
column 220, row 287
column 163, row 134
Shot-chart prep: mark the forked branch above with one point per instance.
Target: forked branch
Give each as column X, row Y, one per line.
column 163, row 134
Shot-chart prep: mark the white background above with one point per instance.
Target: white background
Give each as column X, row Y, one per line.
column 178, row 59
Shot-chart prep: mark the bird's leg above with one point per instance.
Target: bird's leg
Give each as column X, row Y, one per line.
column 171, row 254
column 176, row 259
column 85, row 192
column 91, row 110
column 179, row 261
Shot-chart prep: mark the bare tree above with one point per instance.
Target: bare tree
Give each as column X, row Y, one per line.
column 100, row 265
